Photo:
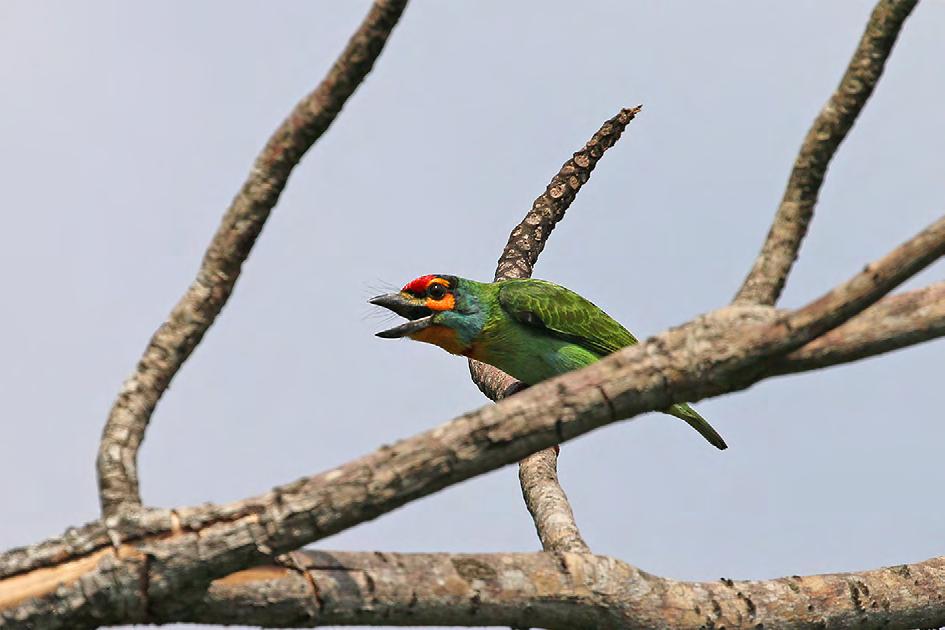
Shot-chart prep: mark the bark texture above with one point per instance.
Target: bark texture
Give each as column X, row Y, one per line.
column 894, row 322
column 564, row 591
column 236, row 562
column 766, row 279
column 150, row 567
column 193, row 315
column 548, row 504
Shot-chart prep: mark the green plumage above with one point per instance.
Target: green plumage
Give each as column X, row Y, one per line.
column 531, row 329
column 564, row 331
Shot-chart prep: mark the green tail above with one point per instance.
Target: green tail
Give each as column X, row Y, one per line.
column 697, row 422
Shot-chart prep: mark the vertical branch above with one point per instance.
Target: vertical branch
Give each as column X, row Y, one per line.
column 548, row 504
column 766, row 279
column 190, row 319
column 544, row 497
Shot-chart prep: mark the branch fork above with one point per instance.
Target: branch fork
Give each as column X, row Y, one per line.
column 214, row 563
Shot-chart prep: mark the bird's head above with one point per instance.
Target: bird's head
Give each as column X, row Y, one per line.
column 443, row 310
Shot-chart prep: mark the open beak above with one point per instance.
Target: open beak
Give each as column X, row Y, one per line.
column 420, row 316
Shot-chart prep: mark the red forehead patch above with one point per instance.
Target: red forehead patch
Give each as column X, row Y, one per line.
column 419, row 285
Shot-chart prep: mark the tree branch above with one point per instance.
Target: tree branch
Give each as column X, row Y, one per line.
column 160, row 566
column 896, row 321
column 544, row 497
column 528, row 238
column 190, row 319
column 865, row 288
column 159, row 561
column 766, row 279
column 569, row 590
column 548, row 504
column 559, row 591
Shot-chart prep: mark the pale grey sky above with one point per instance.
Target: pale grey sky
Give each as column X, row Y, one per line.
column 127, row 128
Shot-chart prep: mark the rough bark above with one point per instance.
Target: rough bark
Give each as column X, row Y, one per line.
column 193, row 315
column 765, row 281
column 548, row 504
column 223, row 563
column 894, row 322
column 176, row 553
column 561, row 591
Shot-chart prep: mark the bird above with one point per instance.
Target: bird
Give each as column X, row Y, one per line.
column 530, row 329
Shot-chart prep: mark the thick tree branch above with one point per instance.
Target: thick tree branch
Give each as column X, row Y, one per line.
column 190, row 319
column 766, row 279
column 560, row 591
column 159, row 562
column 567, row 590
column 544, row 497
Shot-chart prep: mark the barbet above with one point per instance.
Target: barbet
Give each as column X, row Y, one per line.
column 530, row 329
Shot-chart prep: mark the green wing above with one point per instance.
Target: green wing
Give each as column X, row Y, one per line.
column 564, row 314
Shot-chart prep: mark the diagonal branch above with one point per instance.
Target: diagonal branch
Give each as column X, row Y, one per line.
column 544, row 497
column 865, row 288
column 528, row 238
column 896, row 321
column 766, row 279
column 193, row 315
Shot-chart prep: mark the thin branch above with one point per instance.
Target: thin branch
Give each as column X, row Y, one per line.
column 544, row 497
column 528, row 238
column 867, row 287
column 548, row 504
column 190, row 319
column 766, row 279
column 896, row 321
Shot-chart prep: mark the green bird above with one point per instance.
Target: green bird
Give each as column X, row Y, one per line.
column 530, row 329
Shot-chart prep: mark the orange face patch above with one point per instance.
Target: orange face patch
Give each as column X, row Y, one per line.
column 446, row 303
column 442, row 336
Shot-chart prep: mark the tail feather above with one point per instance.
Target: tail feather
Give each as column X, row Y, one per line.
column 697, row 422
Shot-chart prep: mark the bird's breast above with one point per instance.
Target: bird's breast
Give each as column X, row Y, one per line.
column 442, row 336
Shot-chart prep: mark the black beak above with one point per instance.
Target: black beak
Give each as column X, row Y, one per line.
column 420, row 316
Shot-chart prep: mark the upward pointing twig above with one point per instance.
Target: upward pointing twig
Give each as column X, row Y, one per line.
column 190, row 319
column 766, row 279
column 544, row 497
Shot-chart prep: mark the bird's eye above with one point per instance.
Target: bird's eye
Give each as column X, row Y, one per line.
column 436, row 291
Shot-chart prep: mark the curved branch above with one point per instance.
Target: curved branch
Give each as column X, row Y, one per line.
column 766, row 279
column 190, row 319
